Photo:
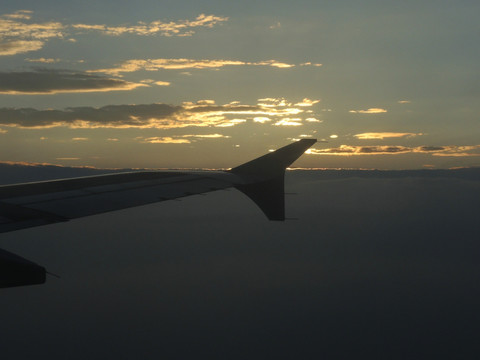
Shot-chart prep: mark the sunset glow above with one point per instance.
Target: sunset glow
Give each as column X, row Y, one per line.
column 146, row 79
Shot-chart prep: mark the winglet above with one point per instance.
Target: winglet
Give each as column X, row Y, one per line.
column 274, row 164
column 265, row 178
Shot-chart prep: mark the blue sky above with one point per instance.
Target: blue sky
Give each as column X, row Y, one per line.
column 382, row 84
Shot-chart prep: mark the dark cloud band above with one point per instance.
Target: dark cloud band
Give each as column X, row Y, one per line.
column 59, row 81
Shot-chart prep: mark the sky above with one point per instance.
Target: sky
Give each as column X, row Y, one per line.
column 211, row 84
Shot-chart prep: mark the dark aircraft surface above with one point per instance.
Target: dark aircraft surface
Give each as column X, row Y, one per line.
column 40, row 203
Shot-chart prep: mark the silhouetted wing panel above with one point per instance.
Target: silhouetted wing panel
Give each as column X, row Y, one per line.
column 34, row 204
column 40, row 203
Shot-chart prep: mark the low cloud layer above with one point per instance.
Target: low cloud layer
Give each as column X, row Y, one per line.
column 350, row 150
column 58, row 81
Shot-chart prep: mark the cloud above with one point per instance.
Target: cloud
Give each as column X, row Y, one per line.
column 3, row 131
column 232, row 122
column 159, row 83
column 277, row 25
column 14, row 28
column 171, row 28
column 80, row 139
column 19, row 46
column 161, row 116
column 19, row 35
column 384, row 135
column 472, row 150
column 349, row 150
column 261, row 119
column 182, row 64
column 289, row 122
column 369, row 111
column 310, row 64
column 20, row 14
column 404, row 101
column 43, row 60
column 181, row 139
column 307, row 102
column 58, row 81
column 162, row 83
column 164, row 140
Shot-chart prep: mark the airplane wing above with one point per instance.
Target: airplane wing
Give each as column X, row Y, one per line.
column 46, row 202
column 40, row 203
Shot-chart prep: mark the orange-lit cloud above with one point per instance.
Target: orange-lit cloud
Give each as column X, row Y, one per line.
column 159, row 83
column 20, row 14
column 384, row 135
column 59, row 81
column 310, row 64
column 289, row 122
column 471, row 150
column 203, row 113
column 171, row 28
column 232, row 122
column 369, row 111
column 182, row 64
column 180, row 139
column 43, row 60
column 19, row 35
column 404, row 101
column 307, row 102
column 261, row 119
column 164, row 140
column 350, row 150
column 19, row 46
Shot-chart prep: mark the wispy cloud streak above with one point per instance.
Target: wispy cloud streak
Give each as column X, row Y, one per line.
column 369, row 111
column 384, row 135
column 183, row 64
column 171, row 28
column 180, row 139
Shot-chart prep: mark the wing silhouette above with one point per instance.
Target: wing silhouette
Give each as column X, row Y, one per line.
column 46, row 202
